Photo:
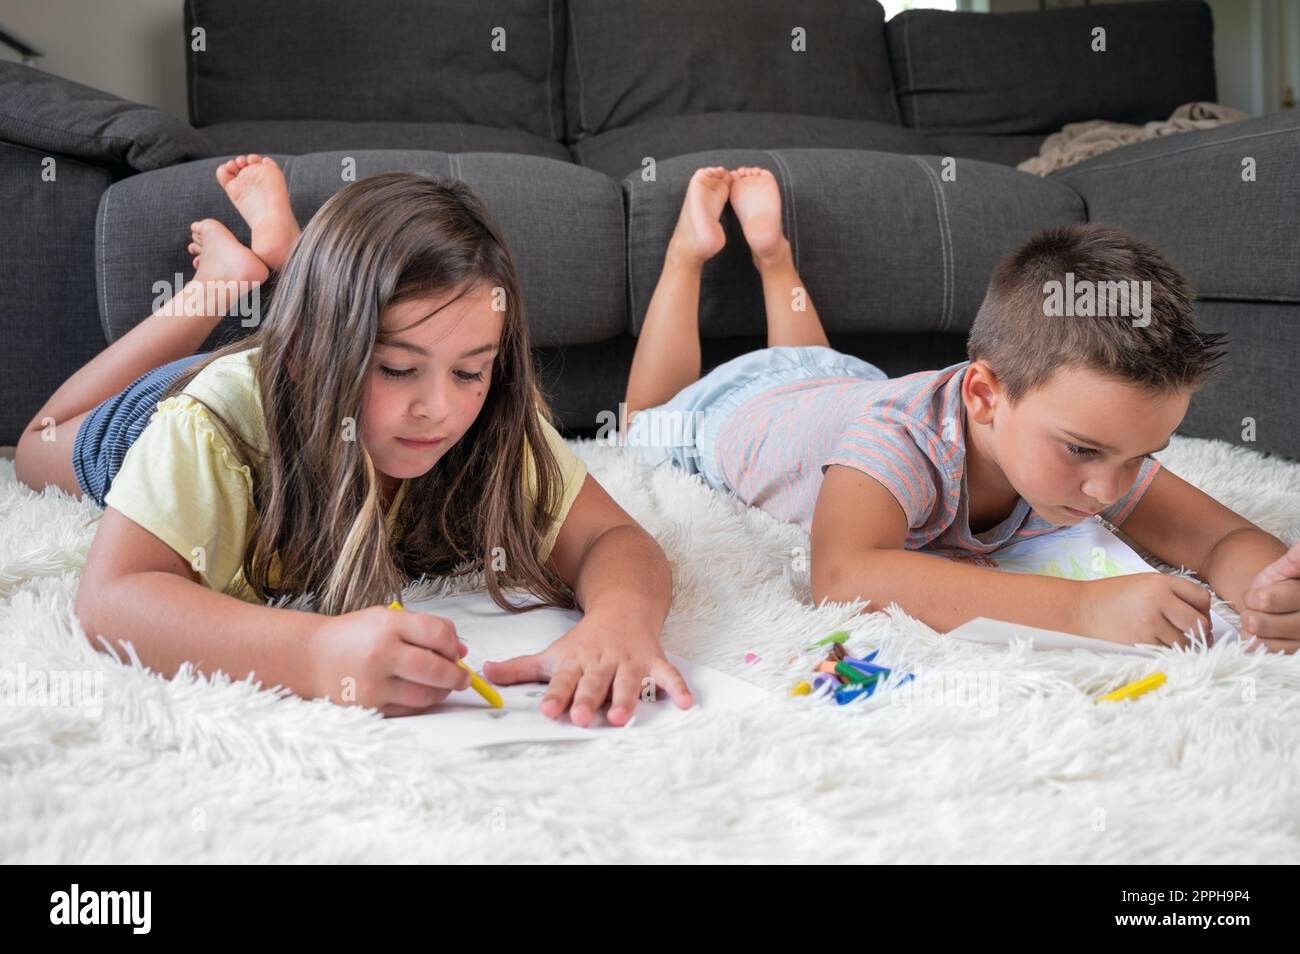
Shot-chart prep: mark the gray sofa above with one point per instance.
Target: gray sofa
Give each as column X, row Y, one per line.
column 580, row 121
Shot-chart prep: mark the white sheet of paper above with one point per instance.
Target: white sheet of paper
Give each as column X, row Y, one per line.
column 997, row 631
column 1085, row 551
column 466, row 720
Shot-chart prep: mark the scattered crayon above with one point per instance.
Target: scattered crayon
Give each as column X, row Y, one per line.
column 846, row 677
column 856, row 675
column 836, row 637
column 1134, row 689
column 866, row 666
column 847, row 694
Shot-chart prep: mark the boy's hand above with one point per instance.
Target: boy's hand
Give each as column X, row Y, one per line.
column 588, row 662
column 1272, row 604
column 1144, row 608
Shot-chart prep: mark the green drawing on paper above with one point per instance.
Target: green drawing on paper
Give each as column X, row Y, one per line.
column 1081, row 566
column 1086, row 551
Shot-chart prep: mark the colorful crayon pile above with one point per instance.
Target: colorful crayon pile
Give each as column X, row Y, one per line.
column 848, row 677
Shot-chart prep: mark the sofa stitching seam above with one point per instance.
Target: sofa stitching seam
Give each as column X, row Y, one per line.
column 550, row 67
column 103, row 267
column 627, row 245
column 194, row 68
column 911, row 80
column 941, row 214
column 577, row 69
column 950, row 267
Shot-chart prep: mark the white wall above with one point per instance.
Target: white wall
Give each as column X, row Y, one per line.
column 134, row 48
column 1257, row 53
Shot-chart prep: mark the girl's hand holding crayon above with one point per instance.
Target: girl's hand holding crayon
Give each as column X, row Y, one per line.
column 399, row 663
column 601, row 658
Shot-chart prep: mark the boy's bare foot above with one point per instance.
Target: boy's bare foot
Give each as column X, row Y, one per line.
column 698, row 235
column 257, row 188
column 756, row 197
column 220, row 257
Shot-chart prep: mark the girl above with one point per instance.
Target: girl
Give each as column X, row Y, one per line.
column 380, row 423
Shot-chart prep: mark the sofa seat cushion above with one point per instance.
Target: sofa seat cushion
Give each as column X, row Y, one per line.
column 1008, row 150
column 562, row 223
column 883, row 242
column 1220, row 203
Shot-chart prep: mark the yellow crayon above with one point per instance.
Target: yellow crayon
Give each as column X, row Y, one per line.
column 476, row 682
column 1134, row 689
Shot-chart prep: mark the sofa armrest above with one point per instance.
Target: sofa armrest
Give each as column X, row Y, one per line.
column 50, row 324
column 50, row 114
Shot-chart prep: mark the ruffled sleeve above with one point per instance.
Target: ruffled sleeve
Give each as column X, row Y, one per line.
column 573, row 470
column 183, row 483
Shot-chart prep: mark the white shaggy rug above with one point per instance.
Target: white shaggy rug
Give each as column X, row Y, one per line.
column 999, row 756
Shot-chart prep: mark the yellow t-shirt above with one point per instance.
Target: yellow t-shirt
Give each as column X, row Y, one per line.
column 184, row 483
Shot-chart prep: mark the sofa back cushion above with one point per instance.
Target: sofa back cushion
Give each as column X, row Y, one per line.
column 629, row 60
column 1034, row 72
column 499, row 64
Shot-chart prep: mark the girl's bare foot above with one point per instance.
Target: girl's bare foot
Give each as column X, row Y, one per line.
column 756, row 197
column 220, row 257
column 256, row 186
column 698, row 235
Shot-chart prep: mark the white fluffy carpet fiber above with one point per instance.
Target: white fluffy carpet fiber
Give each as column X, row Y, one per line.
column 998, row 755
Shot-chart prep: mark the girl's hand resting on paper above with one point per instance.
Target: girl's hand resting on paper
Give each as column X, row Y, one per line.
column 1150, row 608
column 398, row 663
column 598, row 658
column 1272, row 604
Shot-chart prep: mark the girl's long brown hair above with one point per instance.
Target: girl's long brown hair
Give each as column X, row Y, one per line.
column 378, row 241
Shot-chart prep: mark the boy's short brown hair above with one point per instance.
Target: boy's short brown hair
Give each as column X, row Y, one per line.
column 1023, row 334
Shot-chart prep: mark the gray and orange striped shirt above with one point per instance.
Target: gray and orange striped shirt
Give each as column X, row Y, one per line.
column 908, row 433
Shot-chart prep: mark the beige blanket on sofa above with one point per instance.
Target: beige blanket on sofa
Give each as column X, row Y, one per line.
column 1079, row 141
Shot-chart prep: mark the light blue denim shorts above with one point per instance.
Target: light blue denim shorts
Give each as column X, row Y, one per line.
column 683, row 431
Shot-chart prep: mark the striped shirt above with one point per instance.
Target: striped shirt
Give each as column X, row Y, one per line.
column 907, row 433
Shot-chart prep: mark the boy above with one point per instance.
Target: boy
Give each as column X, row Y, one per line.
column 1051, row 421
